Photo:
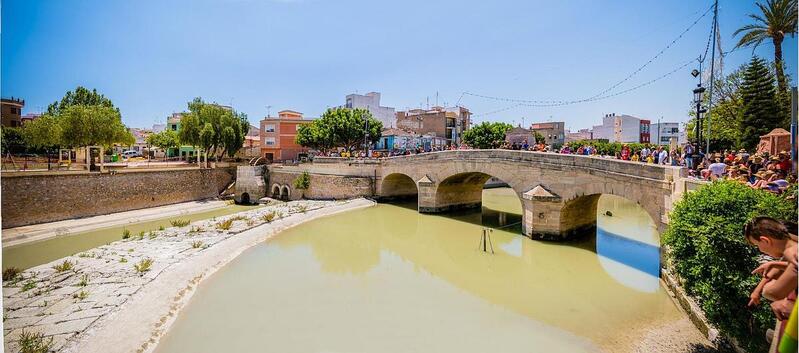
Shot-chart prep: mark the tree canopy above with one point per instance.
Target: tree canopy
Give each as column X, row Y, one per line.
column 760, row 113
column 340, row 127
column 165, row 139
column 777, row 19
column 81, row 118
column 80, row 96
column 214, row 128
column 487, row 135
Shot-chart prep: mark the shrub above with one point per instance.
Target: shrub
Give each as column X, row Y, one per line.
column 179, row 222
column 239, row 218
column 33, row 342
column 81, row 295
column 160, row 227
column 224, row 225
column 196, row 244
column 303, row 182
column 302, row 208
column 64, row 266
column 269, row 217
column 707, row 249
column 84, row 281
column 153, row 235
column 125, row 233
column 143, row 265
column 123, row 260
column 10, row 273
column 28, row 285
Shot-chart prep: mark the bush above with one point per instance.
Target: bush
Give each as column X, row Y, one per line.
column 269, row 217
column 143, row 265
column 10, row 273
column 125, row 233
column 64, row 266
column 224, row 225
column 179, row 222
column 303, row 182
column 707, row 250
column 34, row 342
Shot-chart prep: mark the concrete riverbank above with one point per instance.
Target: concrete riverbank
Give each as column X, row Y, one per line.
column 104, row 300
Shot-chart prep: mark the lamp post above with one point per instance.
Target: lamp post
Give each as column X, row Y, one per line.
column 699, row 110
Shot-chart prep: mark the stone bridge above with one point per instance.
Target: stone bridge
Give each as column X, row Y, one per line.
column 558, row 193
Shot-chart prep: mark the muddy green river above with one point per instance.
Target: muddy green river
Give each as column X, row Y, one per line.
column 388, row 279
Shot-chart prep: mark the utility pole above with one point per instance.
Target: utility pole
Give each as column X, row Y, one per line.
column 793, row 128
column 658, row 138
column 712, row 73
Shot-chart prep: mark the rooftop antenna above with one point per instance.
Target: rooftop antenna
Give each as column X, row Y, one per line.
column 436, row 98
column 268, row 108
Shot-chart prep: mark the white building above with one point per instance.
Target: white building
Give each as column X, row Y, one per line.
column 621, row 128
column 371, row 101
column 663, row 132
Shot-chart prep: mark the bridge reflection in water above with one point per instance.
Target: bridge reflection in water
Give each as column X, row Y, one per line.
column 389, row 279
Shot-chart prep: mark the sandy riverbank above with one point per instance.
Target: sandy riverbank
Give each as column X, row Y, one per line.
column 103, row 304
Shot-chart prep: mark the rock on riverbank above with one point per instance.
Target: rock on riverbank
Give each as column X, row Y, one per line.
column 75, row 301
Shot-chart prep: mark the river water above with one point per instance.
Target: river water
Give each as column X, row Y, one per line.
column 388, row 279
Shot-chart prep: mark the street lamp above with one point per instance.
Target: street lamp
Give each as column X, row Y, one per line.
column 699, row 110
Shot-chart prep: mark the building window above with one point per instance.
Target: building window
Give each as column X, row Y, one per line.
column 269, row 128
column 269, row 141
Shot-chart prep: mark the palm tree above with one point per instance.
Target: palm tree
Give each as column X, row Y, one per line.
column 778, row 19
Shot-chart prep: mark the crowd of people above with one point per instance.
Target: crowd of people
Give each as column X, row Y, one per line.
column 759, row 171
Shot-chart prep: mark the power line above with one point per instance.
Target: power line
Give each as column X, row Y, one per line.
column 600, row 94
column 647, row 83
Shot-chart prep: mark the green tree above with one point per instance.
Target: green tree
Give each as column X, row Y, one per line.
column 725, row 117
column 214, row 128
column 43, row 132
column 539, row 138
column 760, row 112
column 487, row 135
column 165, row 140
column 12, row 140
column 777, row 19
column 707, row 250
column 80, row 96
column 82, row 125
column 340, row 127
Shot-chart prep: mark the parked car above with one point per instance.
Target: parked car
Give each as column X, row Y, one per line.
column 131, row 153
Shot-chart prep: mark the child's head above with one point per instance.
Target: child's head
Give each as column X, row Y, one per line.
column 768, row 234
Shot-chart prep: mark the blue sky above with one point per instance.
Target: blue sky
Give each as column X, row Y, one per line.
column 151, row 57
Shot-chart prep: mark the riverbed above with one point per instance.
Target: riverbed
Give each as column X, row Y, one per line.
column 389, row 279
column 31, row 254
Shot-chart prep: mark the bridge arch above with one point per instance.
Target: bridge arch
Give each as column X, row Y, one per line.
column 554, row 188
column 398, row 186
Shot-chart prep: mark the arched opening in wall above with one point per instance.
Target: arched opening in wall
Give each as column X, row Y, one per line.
column 623, row 234
column 275, row 191
column 244, row 199
column 285, row 193
column 400, row 189
column 493, row 202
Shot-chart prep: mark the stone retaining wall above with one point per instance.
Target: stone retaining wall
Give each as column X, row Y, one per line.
column 48, row 197
column 322, row 186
